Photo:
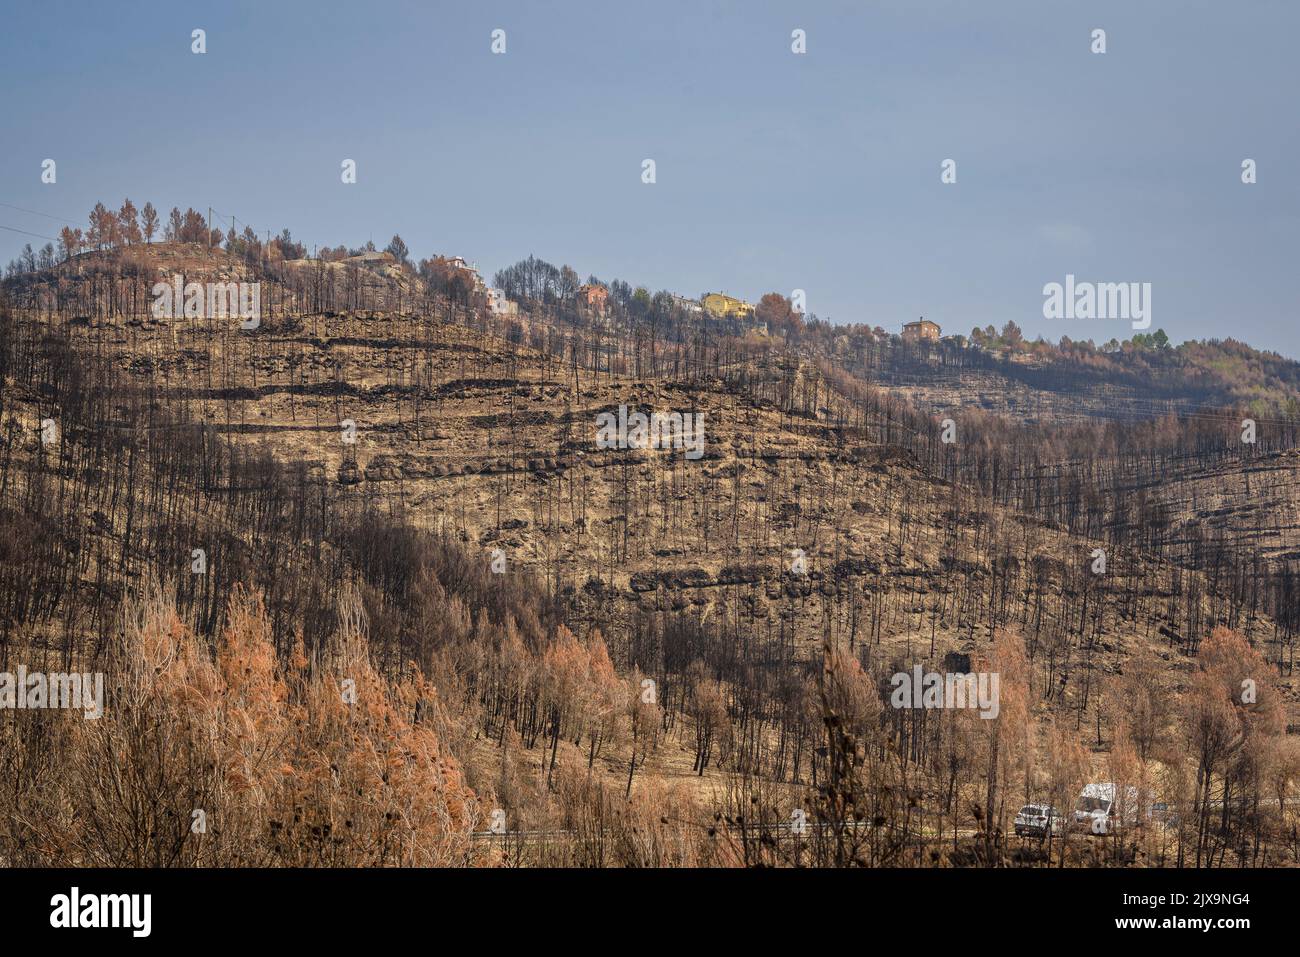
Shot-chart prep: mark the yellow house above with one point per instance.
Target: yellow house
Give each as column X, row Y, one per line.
column 721, row 305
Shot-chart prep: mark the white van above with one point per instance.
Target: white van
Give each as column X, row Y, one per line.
column 1096, row 809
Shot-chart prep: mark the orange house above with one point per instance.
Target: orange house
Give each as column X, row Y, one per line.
column 921, row 329
column 593, row 297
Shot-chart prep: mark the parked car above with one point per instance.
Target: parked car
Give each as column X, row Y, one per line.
column 1036, row 820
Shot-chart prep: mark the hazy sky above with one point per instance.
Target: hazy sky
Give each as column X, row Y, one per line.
column 775, row 171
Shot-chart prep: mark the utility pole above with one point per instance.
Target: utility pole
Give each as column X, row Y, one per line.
column 209, row 229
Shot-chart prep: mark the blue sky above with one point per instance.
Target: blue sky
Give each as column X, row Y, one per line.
column 775, row 171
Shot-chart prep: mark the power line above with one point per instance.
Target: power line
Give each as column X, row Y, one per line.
column 14, row 229
column 38, row 213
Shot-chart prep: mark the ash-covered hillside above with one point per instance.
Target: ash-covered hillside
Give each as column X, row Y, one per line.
column 387, row 455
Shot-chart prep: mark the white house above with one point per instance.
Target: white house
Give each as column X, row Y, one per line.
column 499, row 305
column 686, row 305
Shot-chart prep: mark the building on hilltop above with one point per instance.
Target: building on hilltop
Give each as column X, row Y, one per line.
column 687, row 305
column 499, row 305
column 594, row 298
column 723, row 306
column 922, row 329
column 459, row 264
column 373, row 257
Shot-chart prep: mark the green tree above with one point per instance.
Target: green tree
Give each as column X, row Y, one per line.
column 397, row 249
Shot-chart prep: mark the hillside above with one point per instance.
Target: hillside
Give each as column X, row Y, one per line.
column 1072, row 381
column 375, row 432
